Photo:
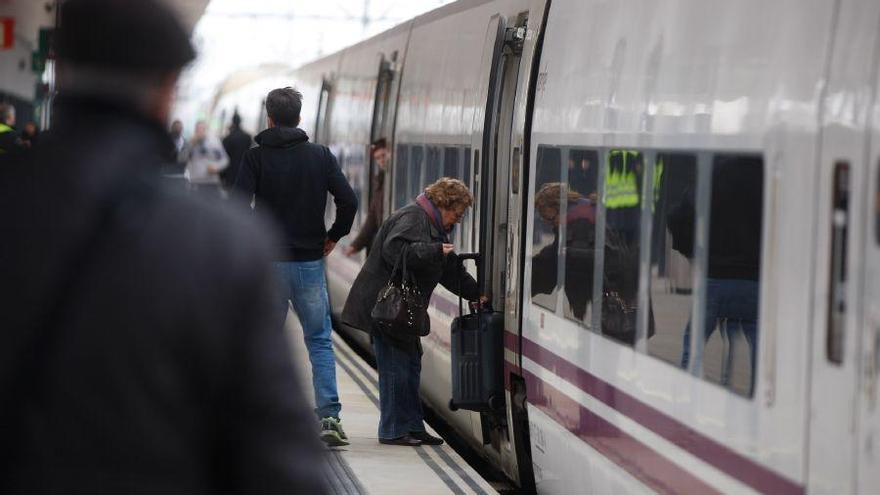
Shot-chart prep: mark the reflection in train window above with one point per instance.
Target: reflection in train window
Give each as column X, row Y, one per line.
column 545, row 241
column 730, row 326
column 433, row 167
column 672, row 253
column 579, row 225
column 620, row 276
column 401, row 166
column 415, row 172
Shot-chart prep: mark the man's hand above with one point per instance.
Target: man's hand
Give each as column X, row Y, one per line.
column 350, row 251
column 328, row 246
column 447, row 248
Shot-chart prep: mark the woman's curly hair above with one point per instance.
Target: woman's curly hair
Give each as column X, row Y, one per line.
column 449, row 193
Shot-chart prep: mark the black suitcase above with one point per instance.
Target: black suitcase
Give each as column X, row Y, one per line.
column 477, row 358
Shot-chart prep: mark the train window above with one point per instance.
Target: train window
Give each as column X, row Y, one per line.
column 450, row 163
column 672, row 254
column 401, row 167
column 579, row 223
column 733, row 273
column 416, row 159
column 466, row 168
column 549, row 192
column 620, row 276
column 433, row 167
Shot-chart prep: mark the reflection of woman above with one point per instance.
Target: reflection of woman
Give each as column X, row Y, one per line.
column 423, row 226
column 580, row 217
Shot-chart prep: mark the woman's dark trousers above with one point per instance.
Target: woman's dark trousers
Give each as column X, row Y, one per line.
column 399, row 404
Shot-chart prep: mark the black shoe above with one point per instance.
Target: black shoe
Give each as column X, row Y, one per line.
column 406, row 441
column 426, row 438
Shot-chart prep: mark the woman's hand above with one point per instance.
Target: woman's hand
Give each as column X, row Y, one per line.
column 447, row 248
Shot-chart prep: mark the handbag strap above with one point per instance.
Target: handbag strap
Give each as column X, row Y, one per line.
column 401, row 260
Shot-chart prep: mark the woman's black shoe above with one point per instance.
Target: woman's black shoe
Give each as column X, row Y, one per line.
column 406, row 441
column 426, row 438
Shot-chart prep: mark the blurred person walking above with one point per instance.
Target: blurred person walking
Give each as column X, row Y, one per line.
column 235, row 143
column 420, row 233
column 206, row 159
column 140, row 353
column 289, row 177
column 380, row 155
column 29, row 135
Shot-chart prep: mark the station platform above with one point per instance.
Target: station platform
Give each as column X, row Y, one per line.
column 366, row 466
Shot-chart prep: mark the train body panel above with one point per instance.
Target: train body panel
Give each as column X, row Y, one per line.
column 639, row 167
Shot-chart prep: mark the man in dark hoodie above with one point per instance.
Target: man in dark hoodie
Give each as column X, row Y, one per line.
column 290, row 178
column 235, row 144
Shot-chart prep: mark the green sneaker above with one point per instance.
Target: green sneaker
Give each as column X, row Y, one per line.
column 331, row 432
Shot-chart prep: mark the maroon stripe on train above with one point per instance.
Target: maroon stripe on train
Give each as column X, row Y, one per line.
column 721, row 457
column 643, row 463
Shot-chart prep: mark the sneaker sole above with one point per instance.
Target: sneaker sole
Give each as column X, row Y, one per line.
column 333, row 439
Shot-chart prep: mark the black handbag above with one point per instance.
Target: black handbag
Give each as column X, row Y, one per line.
column 400, row 308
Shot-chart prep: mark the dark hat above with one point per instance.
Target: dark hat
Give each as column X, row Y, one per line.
column 139, row 35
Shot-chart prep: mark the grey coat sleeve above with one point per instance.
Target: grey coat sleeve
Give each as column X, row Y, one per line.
column 422, row 251
column 457, row 280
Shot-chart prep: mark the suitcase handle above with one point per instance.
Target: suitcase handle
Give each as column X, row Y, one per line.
column 477, row 257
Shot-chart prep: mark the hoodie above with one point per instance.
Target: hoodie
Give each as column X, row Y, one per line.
column 289, row 178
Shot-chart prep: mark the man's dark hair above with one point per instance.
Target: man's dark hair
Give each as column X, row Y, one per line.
column 283, row 106
column 379, row 144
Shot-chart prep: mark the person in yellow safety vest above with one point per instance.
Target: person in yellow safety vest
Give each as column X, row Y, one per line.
column 9, row 138
column 621, row 179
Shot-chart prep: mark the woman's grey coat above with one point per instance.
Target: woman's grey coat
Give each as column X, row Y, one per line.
column 409, row 225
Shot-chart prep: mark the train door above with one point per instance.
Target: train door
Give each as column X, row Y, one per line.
column 321, row 120
column 382, row 126
column 869, row 424
column 843, row 308
column 496, row 154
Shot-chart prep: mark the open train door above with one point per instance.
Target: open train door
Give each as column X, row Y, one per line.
column 382, row 125
column 843, row 443
column 496, row 144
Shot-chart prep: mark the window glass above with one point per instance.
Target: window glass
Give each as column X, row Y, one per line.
column 433, row 168
column 730, row 326
column 580, row 233
column 620, row 277
column 450, row 163
column 417, row 156
column 672, row 254
column 466, row 169
column 401, row 167
column 545, row 234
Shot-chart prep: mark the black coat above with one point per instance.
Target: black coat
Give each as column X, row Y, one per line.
column 289, row 178
column 235, row 144
column 409, row 225
column 166, row 370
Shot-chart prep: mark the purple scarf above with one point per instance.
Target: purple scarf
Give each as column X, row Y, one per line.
column 433, row 213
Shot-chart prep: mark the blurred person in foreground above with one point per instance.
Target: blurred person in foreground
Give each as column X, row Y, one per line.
column 423, row 228
column 289, row 178
column 235, row 143
column 380, row 155
column 140, row 351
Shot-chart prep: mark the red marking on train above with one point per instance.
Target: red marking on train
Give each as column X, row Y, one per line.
column 639, row 460
column 724, row 459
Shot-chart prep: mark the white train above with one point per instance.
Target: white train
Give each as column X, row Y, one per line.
column 722, row 156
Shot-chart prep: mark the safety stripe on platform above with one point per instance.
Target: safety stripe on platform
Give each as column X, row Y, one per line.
column 342, row 348
column 341, row 478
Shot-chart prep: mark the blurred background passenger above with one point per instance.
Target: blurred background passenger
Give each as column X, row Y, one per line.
column 380, row 154
column 29, row 135
column 140, row 353
column 423, row 228
column 205, row 158
column 235, row 143
column 9, row 138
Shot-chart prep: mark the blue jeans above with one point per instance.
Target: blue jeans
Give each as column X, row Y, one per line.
column 400, row 409
column 736, row 303
column 305, row 285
